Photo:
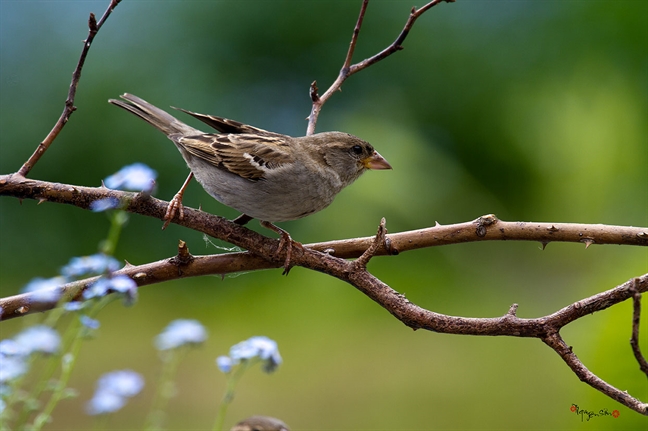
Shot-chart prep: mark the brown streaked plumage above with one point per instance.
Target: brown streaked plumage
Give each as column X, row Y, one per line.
column 266, row 175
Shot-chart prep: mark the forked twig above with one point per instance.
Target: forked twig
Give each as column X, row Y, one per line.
column 348, row 69
column 93, row 27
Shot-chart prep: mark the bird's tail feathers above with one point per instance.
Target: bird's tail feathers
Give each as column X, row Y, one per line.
column 161, row 120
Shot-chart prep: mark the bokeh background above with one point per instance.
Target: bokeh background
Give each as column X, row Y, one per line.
column 532, row 110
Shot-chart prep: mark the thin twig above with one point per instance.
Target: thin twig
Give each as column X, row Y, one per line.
column 379, row 240
column 69, row 108
column 555, row 341
column 634, row 340
column 348, row 69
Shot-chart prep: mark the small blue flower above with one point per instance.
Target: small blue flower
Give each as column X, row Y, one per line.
column 105, row 402
column 39, row 338
column 89, row 322
column 11, row 367
column 74, row 306
column 45, row 289
column 119, row 283
column 10, row 347
column 98, row 289
column 136, row 177
column 112, row 391
column 125, row 383
column 262, row 347
column 126, row 286
column 122, row 283
column 95, row 264
column 104, row 204
column 225, row 364
column 179, row 333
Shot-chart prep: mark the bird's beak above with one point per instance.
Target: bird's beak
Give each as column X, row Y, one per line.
column 376, row 161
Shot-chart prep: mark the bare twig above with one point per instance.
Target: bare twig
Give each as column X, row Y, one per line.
column 634, row 340
column 555, row 341
column 348, row 69
column 69, row 108
column 379, row 240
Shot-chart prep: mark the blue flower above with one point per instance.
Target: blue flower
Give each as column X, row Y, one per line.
column 262, row 347
column 39, row 338
column 136, row 177
column 95, row 264
column 45, row 289
column 225, row 363
column 10, row 347
column 179, row 333
column 112, row 391
column 11, row 367
column 74, row 306
column 126, row 286
column 88, row 322
column 119, row 283
column 105, row 402
column 125, row 383
column 98, row 289
column 104, row 204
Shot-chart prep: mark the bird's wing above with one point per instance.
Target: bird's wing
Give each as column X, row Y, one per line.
column 250, row 156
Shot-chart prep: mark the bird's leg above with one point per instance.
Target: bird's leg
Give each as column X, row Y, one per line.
column 176, row 204
column 285, row 242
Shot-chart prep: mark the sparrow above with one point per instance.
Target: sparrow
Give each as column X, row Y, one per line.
column 260, row 423
column 265, row 175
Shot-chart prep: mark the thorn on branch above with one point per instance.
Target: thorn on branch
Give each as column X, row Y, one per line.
column 183, row 257
column 588, row 242
column 512, row 310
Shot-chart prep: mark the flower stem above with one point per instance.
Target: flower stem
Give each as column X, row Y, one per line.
column 166, row 388
column 228, row 396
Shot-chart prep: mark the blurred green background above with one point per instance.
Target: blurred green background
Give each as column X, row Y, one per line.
column 530, row 110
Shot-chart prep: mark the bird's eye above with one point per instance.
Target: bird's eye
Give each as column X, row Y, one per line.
column 357, row 149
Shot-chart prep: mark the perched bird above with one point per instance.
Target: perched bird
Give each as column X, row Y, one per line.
column 260, row 423
column 264, row 175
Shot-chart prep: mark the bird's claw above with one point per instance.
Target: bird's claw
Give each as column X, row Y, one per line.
column 175, row 205
column 285, row 242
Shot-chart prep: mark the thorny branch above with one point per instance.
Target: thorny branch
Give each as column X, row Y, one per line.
column 330, row 257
